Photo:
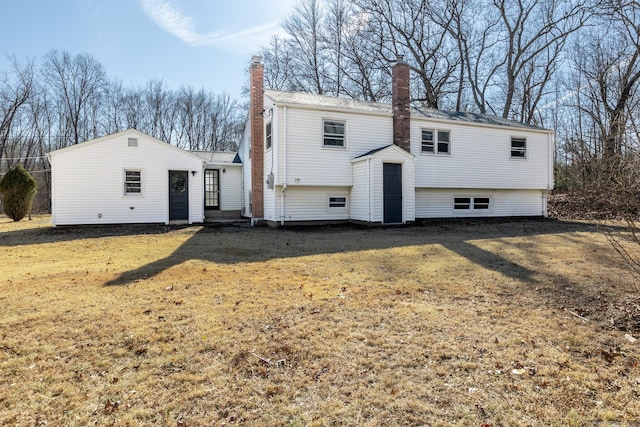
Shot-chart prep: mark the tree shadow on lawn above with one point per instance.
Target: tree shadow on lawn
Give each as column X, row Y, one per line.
column 46, row 235
column 220, row 245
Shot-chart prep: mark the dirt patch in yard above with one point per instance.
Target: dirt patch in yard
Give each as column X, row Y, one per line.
column 467, row 323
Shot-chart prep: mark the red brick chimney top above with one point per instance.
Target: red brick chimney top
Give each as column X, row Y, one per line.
column 401, row 103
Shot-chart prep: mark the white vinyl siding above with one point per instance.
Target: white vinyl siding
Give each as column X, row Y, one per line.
column 308, row 162
column 482, row 159
column 231, row 188
column 440, row 203
column 361, row 192
column 310, row 204
column 88, row 181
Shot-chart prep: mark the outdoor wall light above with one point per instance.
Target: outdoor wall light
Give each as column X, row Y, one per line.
column 193, row 173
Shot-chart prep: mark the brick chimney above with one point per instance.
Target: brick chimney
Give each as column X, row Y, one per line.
column 256, row 95
column 401, row 104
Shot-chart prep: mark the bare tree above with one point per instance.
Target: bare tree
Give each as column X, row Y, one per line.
column 278, row 73
column 532, row 34
column 16, row 88
column 421, row 31
column 304, row 26
column 77, row 82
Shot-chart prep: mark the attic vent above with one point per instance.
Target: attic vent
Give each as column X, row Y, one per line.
column 133, row 142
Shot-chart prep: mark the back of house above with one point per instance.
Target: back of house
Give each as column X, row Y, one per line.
column 313, row 158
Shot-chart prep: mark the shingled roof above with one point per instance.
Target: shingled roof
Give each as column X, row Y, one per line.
column 333, row 103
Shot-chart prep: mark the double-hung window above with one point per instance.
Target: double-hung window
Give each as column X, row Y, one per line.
column 132, row 182
column 518, row 148
column 333, row 133
column 436, row 141
column 268, row 135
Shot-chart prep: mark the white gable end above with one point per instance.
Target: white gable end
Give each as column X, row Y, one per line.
column 89, row 181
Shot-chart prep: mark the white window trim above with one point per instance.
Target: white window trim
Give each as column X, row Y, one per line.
column 344, row 208
column 334, row 147
column 124, row 182
column 526, row 148
column 435, row 151
column 472, row 198
column 269, row 123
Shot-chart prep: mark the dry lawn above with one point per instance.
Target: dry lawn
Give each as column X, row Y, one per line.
column 477, row 324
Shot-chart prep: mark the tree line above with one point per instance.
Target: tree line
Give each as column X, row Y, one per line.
column 64, row 99
column 569, row 65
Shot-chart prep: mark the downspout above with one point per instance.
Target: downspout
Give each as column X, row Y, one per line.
column 545, row 195
column 284, row 165
column 369, row 190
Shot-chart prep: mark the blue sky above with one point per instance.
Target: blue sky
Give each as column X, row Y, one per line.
column 200, row 43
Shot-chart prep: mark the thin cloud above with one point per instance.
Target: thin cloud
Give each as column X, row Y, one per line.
column 175, row 22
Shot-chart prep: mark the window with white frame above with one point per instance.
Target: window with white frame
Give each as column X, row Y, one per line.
column 336, row 202
column 132, row 182
column 436, row 141
column 333, row 133
column 268, row 135
column 518, row 148
column 471, row 204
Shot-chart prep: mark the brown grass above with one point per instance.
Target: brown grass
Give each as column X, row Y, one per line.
column 446, row 324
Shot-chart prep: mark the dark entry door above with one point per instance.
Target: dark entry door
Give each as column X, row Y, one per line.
column 178, row 195
column 392, row 189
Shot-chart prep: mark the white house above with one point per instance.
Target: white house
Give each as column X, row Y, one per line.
column 131, row 177
column 317, row 158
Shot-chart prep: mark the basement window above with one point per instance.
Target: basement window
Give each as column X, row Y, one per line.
column 333, row 133
column 132, row 182
column 336, row 202
column 471, row 204
column 518, row 148
column 436, row 141
column 462, row 203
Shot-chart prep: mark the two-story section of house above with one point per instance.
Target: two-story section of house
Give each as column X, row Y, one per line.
column 326, row 159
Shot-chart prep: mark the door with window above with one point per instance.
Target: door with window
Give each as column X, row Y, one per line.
column 178, row 195
column 212, row 189
column 392, row 192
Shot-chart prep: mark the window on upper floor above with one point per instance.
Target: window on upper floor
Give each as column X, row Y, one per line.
column 132, row 182
column 436, row 141
column 268, row 135
column 518, row 148
column 333, row 133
